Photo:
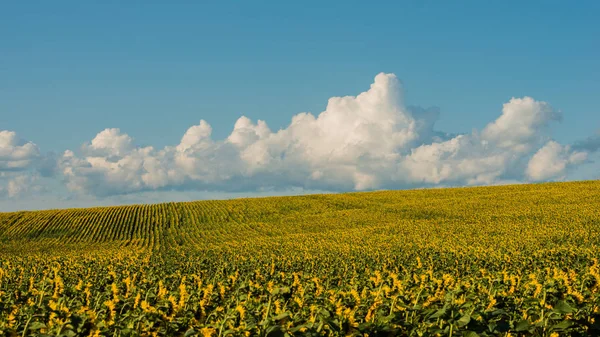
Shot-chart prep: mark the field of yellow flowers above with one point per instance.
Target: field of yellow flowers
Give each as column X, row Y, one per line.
column 489, row 261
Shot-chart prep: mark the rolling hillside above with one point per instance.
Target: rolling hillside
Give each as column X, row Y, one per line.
column 205, row 224
column 485, row 261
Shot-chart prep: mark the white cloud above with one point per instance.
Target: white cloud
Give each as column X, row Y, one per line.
column 20, row 165
column 110, row 142
column 552, row 160
column 21, row 185
column 368, row 141
column 196, row 138
column 16, row 154
column 520, row 124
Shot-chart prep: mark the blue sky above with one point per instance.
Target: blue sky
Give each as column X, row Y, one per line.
column 69, row 70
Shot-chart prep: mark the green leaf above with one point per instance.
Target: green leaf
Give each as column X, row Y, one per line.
column 563, row 325
column 282, row 290
column 299, row 327
column 69, row 333
column 126, row 331
column 386, row 319
column 467, row 304
column 523, row 326
column 439, row 313
column 325, row 313
column 366, row 326
column 499, row 312
column 463, row 321
column 36, row 326
column 190, row 332
column 563, row 307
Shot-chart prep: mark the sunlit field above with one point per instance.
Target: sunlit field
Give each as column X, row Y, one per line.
column 516, row 260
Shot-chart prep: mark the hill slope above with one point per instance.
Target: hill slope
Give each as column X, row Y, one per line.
column 214, row 223
column 489, row 261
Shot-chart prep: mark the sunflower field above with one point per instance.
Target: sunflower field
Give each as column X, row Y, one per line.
column 518, row 260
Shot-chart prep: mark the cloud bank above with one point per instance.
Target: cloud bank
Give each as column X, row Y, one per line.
column 363, row 142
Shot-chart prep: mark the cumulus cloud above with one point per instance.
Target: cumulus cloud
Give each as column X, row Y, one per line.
column 109, row 143
column 362, row 142
column 518, row 128
column 16, row 154
column 552, row 160
column 20, row 165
